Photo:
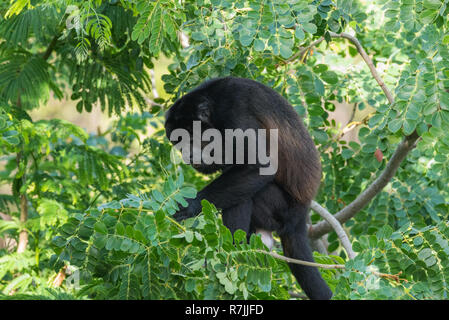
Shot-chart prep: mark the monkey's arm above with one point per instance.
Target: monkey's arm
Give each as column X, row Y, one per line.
column 234, row 186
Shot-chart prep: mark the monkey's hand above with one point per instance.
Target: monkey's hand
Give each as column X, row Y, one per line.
column 193, row 208
column 182, row 214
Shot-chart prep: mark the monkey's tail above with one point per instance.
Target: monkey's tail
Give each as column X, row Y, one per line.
column 295, row 244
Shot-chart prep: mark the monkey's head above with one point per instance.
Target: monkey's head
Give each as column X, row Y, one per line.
column 185, row 123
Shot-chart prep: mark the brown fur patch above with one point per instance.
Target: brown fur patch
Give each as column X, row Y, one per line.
column 299, row 167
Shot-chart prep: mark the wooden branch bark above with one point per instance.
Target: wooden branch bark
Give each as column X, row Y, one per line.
column 300, row 54
column 50, row 48
column 367, row 60
column 391, row 277
column 23, row 235
column 333, row 222
column 406, row 145
column 302, row 262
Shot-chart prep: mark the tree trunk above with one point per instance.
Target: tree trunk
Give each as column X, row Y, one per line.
column 23, row 236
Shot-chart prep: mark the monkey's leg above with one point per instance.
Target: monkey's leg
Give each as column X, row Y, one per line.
column 266, row 203
column 295, row 244
column 238, row 217
column 233, row 187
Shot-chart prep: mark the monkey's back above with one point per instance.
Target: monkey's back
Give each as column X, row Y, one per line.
column 299, row 167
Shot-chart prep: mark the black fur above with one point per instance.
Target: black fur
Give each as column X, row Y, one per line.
column 251, row 201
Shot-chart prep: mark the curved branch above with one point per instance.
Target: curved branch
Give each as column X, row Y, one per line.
column 368, row 61
column 300, row 54
column 360, row 50
column 333, row 222
column 407, row 144
column 50, row 48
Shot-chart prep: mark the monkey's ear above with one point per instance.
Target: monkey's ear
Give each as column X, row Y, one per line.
column 203, row 112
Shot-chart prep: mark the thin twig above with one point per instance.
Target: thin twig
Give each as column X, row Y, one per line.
column 367, row 60
column 50, row 48
column 300, row 54
column 392, row 277
column 176, row 223
column 354, row 109
column 301, row 262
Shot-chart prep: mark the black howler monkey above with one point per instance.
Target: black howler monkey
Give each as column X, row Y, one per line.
column 249, row 200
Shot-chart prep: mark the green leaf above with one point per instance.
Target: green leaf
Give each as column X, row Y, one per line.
column 12, row 140
column 246, row 39
column 395, row 125
column 286, row 51
column 198, row 36
column 347, row 153
column 100, row 227
column 320, row 68
column 418, row 241
column 2, row 123
column 188, row 192
column 432, row 4
column 189, row 236
column 330, row 77
column 259, row 45
column 310, row 28
column 158, row 196
column 446, row 39
column 409, row 126
column 427, row 16
column 375, row 119
column 299, row 33
column 120, row 228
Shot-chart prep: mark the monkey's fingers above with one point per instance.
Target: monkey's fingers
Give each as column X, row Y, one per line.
column 181, row 215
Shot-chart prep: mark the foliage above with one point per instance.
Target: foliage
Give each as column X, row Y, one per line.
column 416, row 257
column 137, row 251
column 99, row 53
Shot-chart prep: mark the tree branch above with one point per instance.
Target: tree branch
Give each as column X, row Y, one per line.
column 300, row 54
column 50, row 48
column 406, row 145
column 23, row 235
column 302, row 262
column 333, row 222
column 391, row 277
column 368, row 61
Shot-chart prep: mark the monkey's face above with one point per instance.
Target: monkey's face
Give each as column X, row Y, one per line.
column 185, row 124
